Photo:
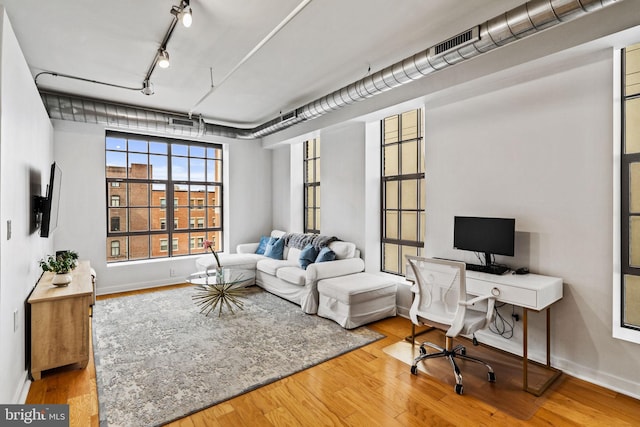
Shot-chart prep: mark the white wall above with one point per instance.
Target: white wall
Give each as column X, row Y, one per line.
column 25, row 157
column 80, row 151
column 541, row 151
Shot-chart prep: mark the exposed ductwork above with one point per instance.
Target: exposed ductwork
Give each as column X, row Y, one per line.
column 517, row 23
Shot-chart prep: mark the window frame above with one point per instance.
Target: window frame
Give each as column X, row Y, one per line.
column 311, row 208
column 623, row 329
column 402, row 243
column 205, row 161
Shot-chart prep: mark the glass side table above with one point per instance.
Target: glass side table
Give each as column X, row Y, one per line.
column 217, row 289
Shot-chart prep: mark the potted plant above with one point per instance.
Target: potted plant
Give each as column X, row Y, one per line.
column 61, row 265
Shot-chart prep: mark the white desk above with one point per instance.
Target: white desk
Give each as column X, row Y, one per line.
column 529, row 291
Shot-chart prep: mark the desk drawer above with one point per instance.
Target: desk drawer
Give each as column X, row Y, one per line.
column 509, row 294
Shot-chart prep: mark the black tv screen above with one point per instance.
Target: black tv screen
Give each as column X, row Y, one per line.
column 488, row 235
column 51, row 205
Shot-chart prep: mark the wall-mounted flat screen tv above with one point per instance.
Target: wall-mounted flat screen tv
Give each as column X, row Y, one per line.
column 50, row 206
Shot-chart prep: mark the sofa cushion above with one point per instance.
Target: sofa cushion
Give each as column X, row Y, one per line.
column 343, row 250
column 293, row 254
column 262, row 246
column 275, row 248
column 271, row 266
column 325, row 255
column 307, row 256
column 293, row 275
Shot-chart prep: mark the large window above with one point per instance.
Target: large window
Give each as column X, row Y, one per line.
column 142, row 174
column 630, row 187
column 312, row 186
column 403, row 190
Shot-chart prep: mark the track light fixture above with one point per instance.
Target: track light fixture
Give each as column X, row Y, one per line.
column 163, row 58
column 183, row 13
column 147, row 87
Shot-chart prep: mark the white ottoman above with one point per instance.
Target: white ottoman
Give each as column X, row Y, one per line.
column 356, row 299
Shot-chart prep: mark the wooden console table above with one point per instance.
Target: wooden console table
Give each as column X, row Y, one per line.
column 59, row 321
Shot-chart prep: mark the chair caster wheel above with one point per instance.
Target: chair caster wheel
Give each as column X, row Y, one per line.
column 492, row 377
column 459, row 389
column 423, row 351
column 414, row 370
column 463, row 351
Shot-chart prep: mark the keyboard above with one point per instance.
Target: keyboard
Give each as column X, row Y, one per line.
column 491, row 269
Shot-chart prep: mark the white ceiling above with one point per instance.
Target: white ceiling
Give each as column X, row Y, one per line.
column 328, row 45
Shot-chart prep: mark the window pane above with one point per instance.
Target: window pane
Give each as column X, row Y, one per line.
column 179, row 149
column 180, row 168
column 116, row 143
column 159, row 167
column 138, row 166
column 197, row 151
column 197, row 170
column 632, row 126
column 632, row 72
column 409, row 194
column 158, row 219
column 158, row 147
column 159, row 195
column 409, row 125
column 632, row 300
column 214, row 217
column 138, row 247
column 180, row 244
column 391, row 160
column 391, row 194
column 391, row 259
column 138, row 146
column 391, row 225
column 410, row 157
column 138, row 219
column 138, row 194
column 409, row 226
column 119, row 242
column 634, row 241
column 116, row 164
column 391, row 129
column 213, row 196
column 121, row 222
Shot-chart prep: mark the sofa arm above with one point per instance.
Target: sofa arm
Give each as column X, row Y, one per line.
column 247, row 248
column 340, row 267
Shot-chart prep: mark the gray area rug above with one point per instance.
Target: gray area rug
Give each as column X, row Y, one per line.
column 158, row 359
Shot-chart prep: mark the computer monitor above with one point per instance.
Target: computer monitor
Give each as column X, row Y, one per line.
column 491, row 236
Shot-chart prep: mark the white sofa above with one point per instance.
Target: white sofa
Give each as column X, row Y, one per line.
column 285, row 277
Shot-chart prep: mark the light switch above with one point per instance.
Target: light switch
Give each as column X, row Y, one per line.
column 8, row 229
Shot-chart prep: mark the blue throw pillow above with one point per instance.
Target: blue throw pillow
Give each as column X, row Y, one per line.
column 262, row 245
column 326, row 254
column 275, row 248
column 307, row 256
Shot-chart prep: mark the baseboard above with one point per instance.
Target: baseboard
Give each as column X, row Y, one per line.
column 20, row 396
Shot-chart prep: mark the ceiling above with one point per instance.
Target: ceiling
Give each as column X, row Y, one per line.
column 327, row 45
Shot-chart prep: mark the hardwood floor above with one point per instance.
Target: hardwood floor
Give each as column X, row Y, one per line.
column 363, row 387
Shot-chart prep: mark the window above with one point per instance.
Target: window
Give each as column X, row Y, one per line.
column 150, row 171
column 403, row 190
column 115, row 184
column 311, row 162
column 115, row 223
column 115, row 200
column 630, row 190
column 115, row 248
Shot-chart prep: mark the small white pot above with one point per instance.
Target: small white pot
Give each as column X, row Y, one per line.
column 61, row 279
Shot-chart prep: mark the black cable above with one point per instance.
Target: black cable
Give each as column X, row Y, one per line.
column 501, row 325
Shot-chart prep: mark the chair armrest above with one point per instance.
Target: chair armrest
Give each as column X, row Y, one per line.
column 491, row 303
column 472, row 301
column 339, row 267
column 247, row 248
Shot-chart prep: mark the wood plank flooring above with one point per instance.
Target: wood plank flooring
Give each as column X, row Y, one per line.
column 363, row 387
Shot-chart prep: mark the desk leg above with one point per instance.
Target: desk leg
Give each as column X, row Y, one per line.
column 525, row 358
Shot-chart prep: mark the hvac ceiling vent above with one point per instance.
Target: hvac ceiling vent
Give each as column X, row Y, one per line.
column 175, row 121
column 470, row 36
column 288, row 116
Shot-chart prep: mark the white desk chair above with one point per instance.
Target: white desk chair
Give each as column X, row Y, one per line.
column 441, row 301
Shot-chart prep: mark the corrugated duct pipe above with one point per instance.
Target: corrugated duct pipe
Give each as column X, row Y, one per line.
column 517, row 23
